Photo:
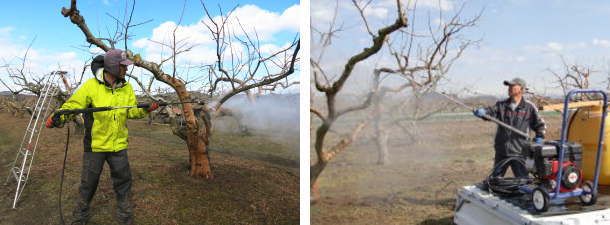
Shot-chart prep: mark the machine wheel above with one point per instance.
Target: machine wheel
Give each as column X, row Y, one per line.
column 588, row 199
column 570, row 178
column 540, row 199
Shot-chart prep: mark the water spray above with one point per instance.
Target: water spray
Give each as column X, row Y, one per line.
column 460, row 103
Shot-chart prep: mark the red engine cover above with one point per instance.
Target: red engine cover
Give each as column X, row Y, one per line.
column 556, row 170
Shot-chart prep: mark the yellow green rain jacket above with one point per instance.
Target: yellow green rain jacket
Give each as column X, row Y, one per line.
column 105, row 131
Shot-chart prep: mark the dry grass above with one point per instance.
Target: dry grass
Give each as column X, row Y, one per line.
column 260, row 187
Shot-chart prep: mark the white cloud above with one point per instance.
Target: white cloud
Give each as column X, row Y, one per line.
column 264, row 22
column 373, row 10
column 444, row 5
column 255, row 21
column 5, row 31
column 554, row 46
column 269, row 48
column 377, row 12
column 548, row 47
column 67, row 56
column 322, row 13
column 601, row 43
column 39, row 61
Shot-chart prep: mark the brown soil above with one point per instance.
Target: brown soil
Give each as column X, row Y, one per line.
column 419, row 184
column 259, row 188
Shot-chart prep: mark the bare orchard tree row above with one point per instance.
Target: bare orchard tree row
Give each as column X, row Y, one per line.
column 20, row 79
column 421, row 62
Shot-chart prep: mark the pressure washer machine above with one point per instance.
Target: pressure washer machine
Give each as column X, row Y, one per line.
column 546, row 164
column 558, row 170
column 545, row 168
column 555, row 166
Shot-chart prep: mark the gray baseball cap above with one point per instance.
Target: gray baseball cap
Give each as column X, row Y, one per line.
column 114, row 58
column 516, row 81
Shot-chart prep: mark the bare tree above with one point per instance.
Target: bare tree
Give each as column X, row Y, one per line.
column 24, row 80
column 22, row 77
column 196, row 129
column 574, row 76
column 423, row 61
column 330, row 89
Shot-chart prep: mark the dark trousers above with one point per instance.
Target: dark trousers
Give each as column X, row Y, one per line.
column 518, row 169
column 93, row 163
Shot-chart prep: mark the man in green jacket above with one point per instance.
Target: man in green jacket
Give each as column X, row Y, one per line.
column 105, row 132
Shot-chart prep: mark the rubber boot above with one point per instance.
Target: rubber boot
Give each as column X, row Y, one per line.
column 81, row 213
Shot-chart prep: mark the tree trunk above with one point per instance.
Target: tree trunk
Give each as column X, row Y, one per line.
column 381, row 136
column 199, row 157
column 315, row 193
column 196, row 136
column 381, row 140
column 315, row 172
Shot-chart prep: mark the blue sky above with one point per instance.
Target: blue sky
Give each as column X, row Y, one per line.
column 518, row 38
column 531, row 36
column 57, row 39
column 43, row 19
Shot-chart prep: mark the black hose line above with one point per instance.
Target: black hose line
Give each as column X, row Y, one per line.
column 61, row 182
column 506, row 186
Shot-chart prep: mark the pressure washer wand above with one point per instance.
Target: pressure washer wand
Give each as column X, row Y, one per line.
column 487, row 117
column 99, row 109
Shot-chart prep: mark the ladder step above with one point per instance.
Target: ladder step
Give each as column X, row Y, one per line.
column 16, row 172
column 25, row 152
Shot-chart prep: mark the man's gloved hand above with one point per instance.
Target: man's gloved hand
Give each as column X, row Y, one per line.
column 152, row 107
column 479, row 112
column 539, row 140
column 53, row 121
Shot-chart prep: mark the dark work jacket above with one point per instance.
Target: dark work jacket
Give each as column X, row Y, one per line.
column 524, row 117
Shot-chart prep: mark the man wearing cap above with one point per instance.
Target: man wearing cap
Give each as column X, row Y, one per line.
column 518, row 113
column 105, row 132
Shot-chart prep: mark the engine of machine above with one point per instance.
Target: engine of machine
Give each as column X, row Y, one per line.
column 545, row 166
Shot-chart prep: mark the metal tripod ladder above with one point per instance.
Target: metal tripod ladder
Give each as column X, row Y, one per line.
column 20, row 169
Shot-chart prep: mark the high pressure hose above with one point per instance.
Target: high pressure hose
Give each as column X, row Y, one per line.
column 61, row 181
column 506, row 186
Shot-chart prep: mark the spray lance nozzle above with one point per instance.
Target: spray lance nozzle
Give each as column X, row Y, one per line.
column 146, row 105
